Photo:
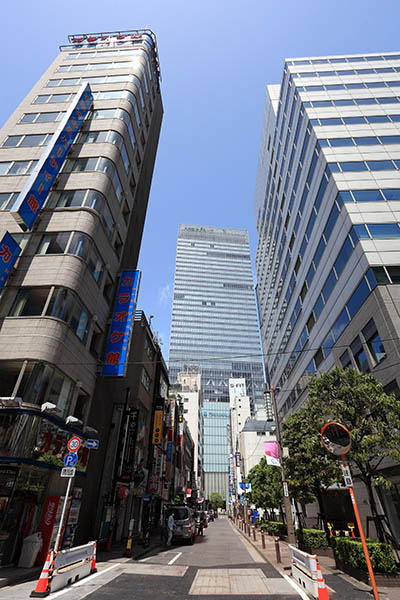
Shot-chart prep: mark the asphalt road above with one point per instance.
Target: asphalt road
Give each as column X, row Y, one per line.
column 219, row 565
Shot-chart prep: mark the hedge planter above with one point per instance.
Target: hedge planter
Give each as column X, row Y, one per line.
column 318, row 551
column 382, row 579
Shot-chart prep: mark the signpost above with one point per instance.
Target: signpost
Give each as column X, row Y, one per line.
column 337, row 440
column 74, row 444
column 71, row 459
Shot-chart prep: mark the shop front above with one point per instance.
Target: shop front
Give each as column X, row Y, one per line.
column 32, row 449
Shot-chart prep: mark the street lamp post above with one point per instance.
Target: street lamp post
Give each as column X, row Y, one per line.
column 286, row 499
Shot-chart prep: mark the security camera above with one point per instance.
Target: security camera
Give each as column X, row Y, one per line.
column 48, row 406
column 73, row 420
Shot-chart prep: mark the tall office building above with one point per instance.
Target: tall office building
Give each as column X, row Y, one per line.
column 76, row 162
column 214, row 325
column 327, row 211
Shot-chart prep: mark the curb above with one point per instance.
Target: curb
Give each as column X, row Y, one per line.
column 20, row 578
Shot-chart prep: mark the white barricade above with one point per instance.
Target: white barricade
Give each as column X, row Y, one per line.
column 71, row 565
column 304, row 570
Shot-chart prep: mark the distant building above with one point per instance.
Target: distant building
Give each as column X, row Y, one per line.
column 215, row 325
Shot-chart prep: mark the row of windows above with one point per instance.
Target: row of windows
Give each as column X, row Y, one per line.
column 58, row 302
column 365, row 231
column 370, row 195
column 53, row 98
column 352, row 59
column 364, row 165
column 360, row 141
column 117, row 113
column 17, row 167
column 356, row 300
column 108, row 65
column 97, row 163
column 88, row 199
column 107, row 53
column 92, row 80
column 110, row 136
column 27, row 141
column 371, row 119
column 42, row 117
column 76, row 243
column 369, row 343
column 345, row 72
column 352, row 102
column 347, row 86
column 95, row 66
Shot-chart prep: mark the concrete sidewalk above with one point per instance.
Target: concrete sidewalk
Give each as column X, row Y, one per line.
column 342, row 586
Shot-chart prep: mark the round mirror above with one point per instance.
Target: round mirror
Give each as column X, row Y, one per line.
column 336, row 438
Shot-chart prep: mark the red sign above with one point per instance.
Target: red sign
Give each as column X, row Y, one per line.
column 47, row 525
column 74, row 444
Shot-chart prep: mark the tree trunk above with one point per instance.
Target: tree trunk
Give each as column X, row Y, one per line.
column 318, row 496
column 374, row 512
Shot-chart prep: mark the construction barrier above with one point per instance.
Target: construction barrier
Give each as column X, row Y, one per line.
column 64, row 568
column 307, row 572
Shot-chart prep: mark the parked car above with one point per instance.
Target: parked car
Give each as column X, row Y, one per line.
column 210, row 514
column 185, row 524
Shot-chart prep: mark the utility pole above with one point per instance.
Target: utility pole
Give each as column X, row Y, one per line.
column 286, row 499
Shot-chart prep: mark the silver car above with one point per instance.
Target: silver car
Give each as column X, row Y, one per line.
column 185, row 524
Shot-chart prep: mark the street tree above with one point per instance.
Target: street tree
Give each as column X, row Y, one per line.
column 216, row 500
column 266, row 486
column 309, row 469
column 358, row 401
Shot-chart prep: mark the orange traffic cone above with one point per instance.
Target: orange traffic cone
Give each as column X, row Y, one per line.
column 322, row 589
column 128, row 549
column 43, row 585
column 93, row 566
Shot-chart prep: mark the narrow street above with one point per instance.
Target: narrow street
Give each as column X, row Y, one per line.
column 220, row 564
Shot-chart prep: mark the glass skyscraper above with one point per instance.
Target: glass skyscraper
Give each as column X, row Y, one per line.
column 327, row 210
column 215, row 325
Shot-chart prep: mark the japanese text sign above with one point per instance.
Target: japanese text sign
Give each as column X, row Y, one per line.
column 9, row 252
column 29, row 202
column 121, row 326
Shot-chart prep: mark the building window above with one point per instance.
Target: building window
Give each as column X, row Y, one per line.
column 360, row 356
column 145, row 379
column 374, row 342
column 345, row 360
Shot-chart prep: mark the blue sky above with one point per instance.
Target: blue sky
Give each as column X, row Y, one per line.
column 216, row 59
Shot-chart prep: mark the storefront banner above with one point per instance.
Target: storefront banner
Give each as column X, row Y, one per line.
column 128, row 445
column 33, row 196
column 9, row 252
column 157, row 427
column 47, row 525
column 121, row 325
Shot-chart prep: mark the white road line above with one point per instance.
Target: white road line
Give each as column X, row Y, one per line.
column 83, row 581
column 296, row 587
column 171, row 562
column 147, row 558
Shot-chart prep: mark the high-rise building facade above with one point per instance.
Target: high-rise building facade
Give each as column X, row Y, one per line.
column 214, row 325
column 99, row 102
column 327, row 211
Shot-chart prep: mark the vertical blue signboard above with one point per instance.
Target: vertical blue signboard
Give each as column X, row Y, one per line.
column 121, row 326
column 29, row 202
column 9, row 252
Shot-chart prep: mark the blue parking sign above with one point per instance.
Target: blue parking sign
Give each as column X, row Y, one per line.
column 71, row 459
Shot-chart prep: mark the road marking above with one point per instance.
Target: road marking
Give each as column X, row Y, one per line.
column 144, row 559
column 294, row 585
column 171, row 562
column 84, row 581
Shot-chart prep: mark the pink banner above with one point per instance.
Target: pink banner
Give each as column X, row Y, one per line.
column 271, row 449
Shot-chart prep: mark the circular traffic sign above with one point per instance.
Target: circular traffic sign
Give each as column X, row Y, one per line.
column 336, row 438
column 74, row 444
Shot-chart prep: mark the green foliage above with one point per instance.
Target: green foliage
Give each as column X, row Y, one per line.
column 274, row 527
column 216, row 500
column 266, row 486
column 358, row 401
column 312, row 538
column 350, row 551
column 309, row 469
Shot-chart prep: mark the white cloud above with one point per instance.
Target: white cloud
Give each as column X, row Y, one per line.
column 165, row 294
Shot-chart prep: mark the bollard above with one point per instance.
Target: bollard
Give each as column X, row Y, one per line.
column 248, row 529
column 254, row 533
column 262, row 539
column 277, row 550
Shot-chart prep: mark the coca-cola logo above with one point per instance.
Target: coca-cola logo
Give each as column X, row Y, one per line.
column 49, row 513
